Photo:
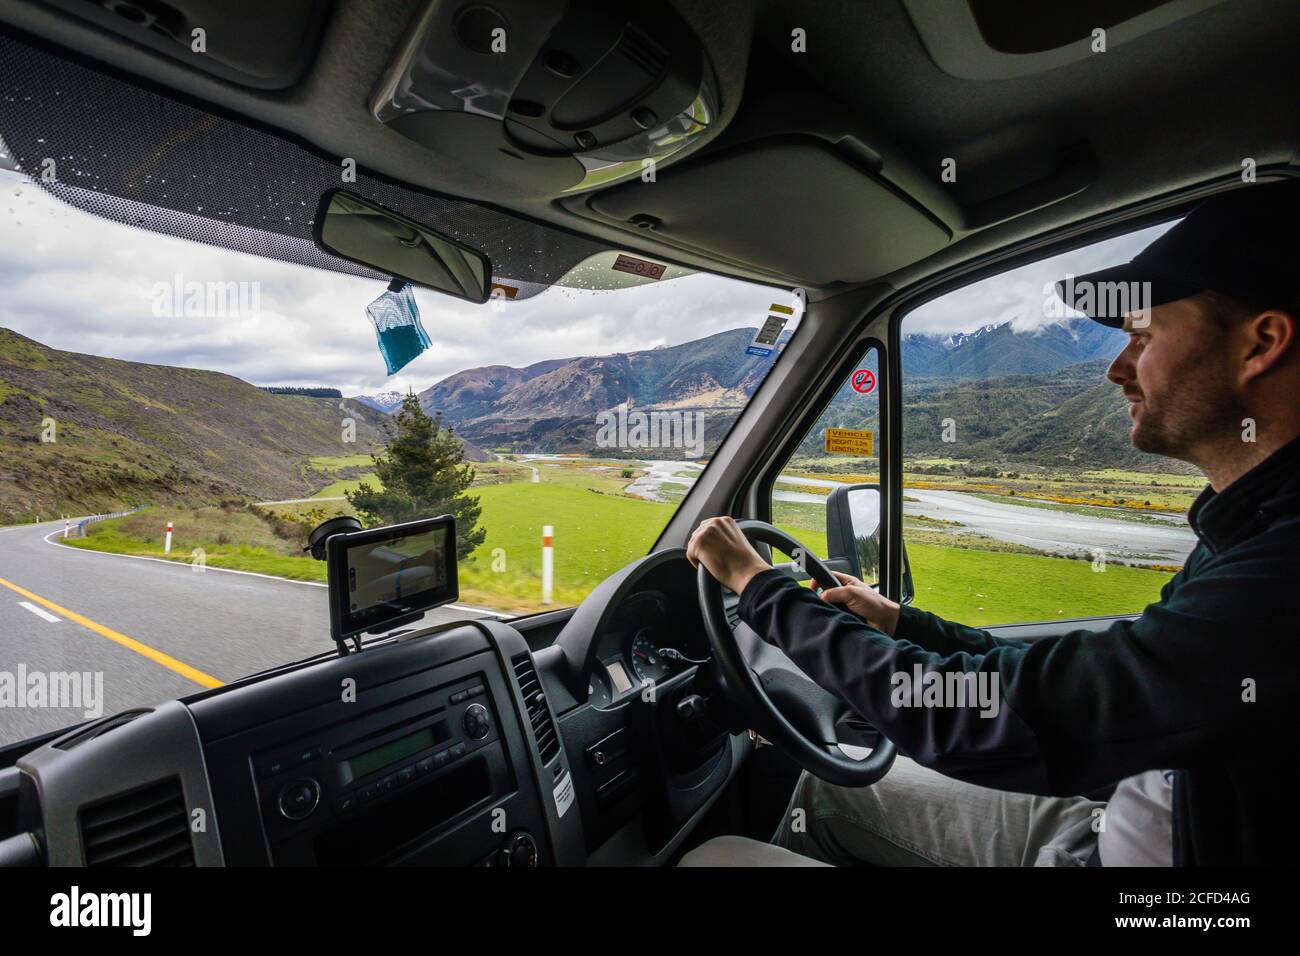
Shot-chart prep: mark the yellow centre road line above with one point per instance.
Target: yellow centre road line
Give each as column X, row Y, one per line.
column 130, row 643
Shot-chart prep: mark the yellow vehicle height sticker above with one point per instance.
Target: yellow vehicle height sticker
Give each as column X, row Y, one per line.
column 850, row 441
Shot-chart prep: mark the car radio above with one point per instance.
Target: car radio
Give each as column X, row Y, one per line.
column 368, row 787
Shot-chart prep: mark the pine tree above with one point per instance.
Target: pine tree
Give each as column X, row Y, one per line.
column 423, row 474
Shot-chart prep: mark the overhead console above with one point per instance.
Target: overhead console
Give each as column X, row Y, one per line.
column 554, row 94
column 800, row 189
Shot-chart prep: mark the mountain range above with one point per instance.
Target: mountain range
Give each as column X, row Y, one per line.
column 386, row 402
column 552, row 405
column 995, row 350
column 128, row 432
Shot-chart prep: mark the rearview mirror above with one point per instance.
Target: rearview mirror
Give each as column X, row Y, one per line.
column 356, row 229
column 853, row 534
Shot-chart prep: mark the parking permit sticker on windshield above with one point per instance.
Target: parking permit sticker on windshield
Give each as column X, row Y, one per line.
column 563, row 794
column 765, row 340
column 850, row 441
column 639, row 267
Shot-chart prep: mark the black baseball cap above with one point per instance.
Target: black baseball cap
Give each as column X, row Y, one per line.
column 1244, row 243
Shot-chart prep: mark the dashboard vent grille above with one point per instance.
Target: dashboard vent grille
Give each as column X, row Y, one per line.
column 147, row 827
column 539, row 713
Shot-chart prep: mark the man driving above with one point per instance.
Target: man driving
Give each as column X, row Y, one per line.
column 1179, row 719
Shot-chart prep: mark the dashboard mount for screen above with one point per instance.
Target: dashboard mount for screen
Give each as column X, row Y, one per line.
column 382, row 578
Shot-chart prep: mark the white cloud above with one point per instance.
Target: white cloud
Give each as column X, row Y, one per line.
column 1017, row 296
column 76, row 282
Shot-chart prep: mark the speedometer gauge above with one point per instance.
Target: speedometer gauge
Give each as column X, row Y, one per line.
column 646, row 662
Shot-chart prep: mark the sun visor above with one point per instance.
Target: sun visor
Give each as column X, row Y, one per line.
column 130, row 154
column 794, row 207
column 266, row 46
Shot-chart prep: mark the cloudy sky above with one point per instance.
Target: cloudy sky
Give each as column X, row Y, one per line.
column 79, row 283
column 72, row 281
column 1018, row 296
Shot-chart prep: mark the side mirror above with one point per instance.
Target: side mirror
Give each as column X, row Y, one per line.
column 354, row 228
column 853, row 534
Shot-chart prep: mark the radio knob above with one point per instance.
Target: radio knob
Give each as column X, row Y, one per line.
column 476, row 721
column 520, row 850
column 299, row 798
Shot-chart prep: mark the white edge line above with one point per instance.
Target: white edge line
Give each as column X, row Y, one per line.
column 39, row 611
column 253, row 574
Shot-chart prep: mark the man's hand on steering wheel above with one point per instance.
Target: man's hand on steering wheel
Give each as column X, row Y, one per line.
column 723, row 549
column 720, row 545
column 863, row 602
column 755, row 675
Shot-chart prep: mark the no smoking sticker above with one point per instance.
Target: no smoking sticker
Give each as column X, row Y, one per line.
column 863, row 381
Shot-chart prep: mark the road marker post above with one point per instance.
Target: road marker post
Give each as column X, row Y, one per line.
column 548, row 562
column 66, row 525
column 167, row 541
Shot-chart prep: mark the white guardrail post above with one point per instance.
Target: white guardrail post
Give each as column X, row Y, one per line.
column 548, row 563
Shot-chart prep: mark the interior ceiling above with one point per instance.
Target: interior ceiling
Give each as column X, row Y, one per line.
column 1178, row 105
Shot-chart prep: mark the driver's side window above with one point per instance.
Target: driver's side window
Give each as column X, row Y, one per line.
column 827, row 492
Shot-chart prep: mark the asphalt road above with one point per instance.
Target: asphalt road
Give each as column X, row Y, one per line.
column 153, row 629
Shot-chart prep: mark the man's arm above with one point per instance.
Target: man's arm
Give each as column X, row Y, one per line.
column 1083, row 709
column 945, row 637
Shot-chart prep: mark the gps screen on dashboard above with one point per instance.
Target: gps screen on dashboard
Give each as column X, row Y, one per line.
column 379, row 576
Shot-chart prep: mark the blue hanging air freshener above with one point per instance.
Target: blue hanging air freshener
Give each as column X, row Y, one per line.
column 396, row 319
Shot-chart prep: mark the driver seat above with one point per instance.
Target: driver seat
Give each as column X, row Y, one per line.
column 742, row 851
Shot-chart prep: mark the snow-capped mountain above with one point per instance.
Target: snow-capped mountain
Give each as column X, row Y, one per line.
column 386, row 402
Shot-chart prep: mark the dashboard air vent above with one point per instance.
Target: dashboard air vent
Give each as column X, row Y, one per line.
column 148, row 827
column 539, row 713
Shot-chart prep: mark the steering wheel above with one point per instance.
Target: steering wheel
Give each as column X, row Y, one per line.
column 781, row 701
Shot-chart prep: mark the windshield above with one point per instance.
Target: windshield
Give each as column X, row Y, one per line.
column 176, row 417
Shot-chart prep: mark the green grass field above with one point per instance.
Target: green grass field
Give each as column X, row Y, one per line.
column 337, row 489
column 599, row 529
column 231, row 538
column 981, row 588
